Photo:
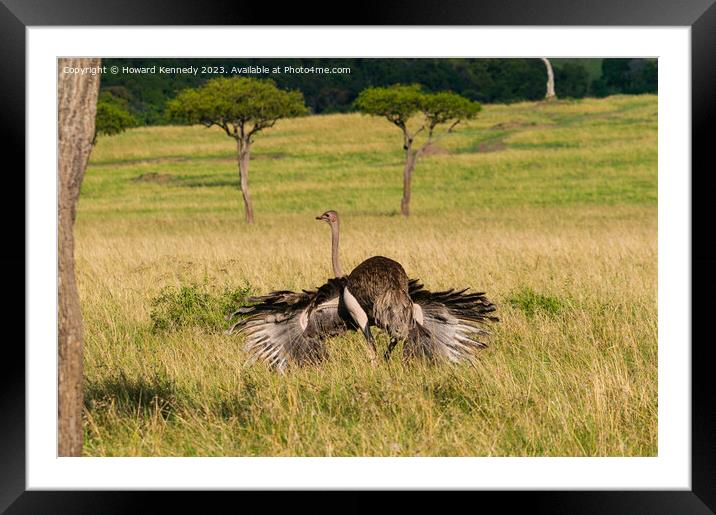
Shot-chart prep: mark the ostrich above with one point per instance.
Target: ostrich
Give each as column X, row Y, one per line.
column 376, row 293
column 434, row 325
column 286, row 326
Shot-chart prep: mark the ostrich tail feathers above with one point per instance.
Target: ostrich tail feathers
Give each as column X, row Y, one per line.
column 286, row 327
column 449, row 325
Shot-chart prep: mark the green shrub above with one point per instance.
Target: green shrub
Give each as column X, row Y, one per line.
column 531, row 303
column 195, row 306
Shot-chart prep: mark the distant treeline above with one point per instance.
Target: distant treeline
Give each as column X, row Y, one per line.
column 484, row 80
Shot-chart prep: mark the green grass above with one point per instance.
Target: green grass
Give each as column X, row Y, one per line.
column 551, row 208
column 549, row 158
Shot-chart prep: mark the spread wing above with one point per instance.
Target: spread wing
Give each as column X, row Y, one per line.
column 448, row 324
column 286, row 327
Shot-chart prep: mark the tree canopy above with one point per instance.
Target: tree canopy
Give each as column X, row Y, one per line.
column 396, row 103
column 629, row 76
column 445, row 106
column 400, row 102
column 241, row 106
column 112, row 115
column 572, row 81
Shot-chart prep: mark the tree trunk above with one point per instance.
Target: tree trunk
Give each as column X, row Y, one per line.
column 551, row 95
column 77, row 106
column 410, row 155
column 244, row 147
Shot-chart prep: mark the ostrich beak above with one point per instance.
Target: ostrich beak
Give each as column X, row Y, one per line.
column 323, row 218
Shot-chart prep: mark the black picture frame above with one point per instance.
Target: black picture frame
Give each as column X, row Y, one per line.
column 699, row 15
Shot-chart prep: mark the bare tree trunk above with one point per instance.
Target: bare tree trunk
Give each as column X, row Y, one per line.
column 410, row 156
column 77, row 106
column 244, row 153
column 551, row 95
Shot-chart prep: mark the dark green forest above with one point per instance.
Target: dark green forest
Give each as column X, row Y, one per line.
column 485, row 80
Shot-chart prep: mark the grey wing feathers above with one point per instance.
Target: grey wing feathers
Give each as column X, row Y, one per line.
column 286, row 327
column 448, row 324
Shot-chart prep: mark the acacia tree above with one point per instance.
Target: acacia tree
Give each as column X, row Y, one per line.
column 76, row 103
column 242, row 107
column 399, row 104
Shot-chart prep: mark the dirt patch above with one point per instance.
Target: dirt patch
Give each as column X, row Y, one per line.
column 511, row 125
column 554, row 102
column 496, row 145
column 435, row 150
column 157, row 178
column 271, row 155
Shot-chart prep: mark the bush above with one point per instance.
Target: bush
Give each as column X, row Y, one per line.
column 531, row 303
column 195, row 306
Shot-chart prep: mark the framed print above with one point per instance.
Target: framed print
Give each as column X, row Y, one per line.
column 184, row 204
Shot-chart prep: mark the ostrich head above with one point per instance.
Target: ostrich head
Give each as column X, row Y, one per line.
column 331, row 217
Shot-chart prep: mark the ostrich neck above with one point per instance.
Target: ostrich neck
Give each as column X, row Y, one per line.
column 334, row 250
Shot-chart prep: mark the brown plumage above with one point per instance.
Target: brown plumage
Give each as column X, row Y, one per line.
column 380, row 285
column 285, row 327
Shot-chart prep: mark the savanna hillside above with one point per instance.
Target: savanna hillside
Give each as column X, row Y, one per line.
column 550, row 208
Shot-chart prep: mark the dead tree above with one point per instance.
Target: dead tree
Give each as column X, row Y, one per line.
column 550, row 95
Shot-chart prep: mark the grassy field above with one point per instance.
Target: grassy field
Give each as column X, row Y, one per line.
column 550, row 208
